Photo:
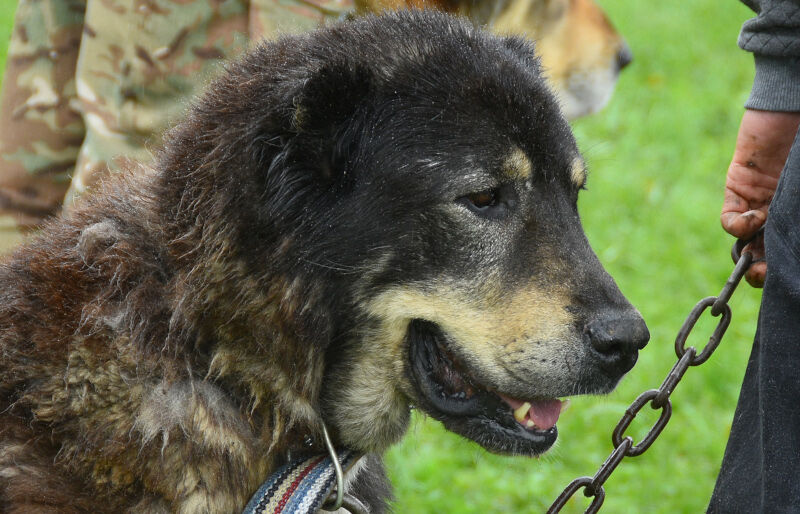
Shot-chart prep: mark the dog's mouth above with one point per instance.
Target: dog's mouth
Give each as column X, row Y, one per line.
column 448, row 392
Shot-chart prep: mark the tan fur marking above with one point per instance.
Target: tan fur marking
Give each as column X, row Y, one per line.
column 370, row 392
column 517, row 165
column 527, row 330
column 532, row 311
column 578, row 172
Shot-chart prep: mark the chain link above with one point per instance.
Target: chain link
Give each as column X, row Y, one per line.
column 659, row 398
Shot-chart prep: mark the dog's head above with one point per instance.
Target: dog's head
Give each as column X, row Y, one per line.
column 478, row 298
column 413, row 183
column 484, row 305
column 581, row 52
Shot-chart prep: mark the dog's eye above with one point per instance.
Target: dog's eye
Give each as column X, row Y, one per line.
column 483, row 199
column 490, row 203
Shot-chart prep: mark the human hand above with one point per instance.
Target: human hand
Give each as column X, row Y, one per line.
column 762, row 146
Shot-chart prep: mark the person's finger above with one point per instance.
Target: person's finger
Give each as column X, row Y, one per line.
column 756, row 274
column 743, row 224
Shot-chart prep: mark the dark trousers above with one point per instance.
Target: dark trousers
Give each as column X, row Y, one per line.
column 761, row 468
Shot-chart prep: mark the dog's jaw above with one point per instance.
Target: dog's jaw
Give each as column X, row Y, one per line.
column 445, row 388
column 363, row 403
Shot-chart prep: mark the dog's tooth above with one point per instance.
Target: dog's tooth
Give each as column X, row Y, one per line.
column 565, row 404
column 522, row 411
column 530, row 424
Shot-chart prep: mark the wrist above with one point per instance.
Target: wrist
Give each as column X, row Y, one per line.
column 764, row 139
column 776, row 86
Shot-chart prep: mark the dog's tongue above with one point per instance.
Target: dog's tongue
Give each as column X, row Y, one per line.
column 543, row 413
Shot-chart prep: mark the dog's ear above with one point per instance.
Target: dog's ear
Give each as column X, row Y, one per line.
column 330, row 95
column 325, row 110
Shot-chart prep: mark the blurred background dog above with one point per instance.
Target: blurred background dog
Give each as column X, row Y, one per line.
column 580, row 49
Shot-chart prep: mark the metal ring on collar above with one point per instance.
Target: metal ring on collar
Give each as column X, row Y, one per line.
column 338, row 468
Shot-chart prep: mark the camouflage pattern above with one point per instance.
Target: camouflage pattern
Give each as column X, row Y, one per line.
column 91, row 82
column 40, row 129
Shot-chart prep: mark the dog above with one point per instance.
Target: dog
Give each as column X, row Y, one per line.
column 378, row 214
column 581, row 51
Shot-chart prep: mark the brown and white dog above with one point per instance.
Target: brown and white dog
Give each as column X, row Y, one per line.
column 581, row 52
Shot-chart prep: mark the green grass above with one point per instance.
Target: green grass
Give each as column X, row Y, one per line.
column 657, row 156
column 6, row 22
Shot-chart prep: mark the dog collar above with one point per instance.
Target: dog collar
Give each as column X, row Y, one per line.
column 302, row 485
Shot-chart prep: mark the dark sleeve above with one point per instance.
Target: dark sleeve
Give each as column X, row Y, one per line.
column 773, row 37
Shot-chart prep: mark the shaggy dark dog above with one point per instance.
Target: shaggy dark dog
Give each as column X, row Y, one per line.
column 377, row 214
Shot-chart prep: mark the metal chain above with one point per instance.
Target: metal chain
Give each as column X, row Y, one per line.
column 659, row 398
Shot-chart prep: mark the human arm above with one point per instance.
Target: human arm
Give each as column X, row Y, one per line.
column 768, row 125
column 762, row 146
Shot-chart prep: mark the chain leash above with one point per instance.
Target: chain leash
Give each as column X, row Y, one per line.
column 659, row 398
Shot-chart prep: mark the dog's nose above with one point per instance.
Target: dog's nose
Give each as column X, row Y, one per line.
column 616, row 340
column 624, row 57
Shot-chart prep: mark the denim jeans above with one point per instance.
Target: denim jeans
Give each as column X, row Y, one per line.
column 761, row 468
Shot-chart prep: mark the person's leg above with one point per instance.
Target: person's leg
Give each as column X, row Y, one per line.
column 760, row 469
column 40, row 128
column 139, row 69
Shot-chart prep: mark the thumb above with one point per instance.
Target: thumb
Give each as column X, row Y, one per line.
column 743, row 225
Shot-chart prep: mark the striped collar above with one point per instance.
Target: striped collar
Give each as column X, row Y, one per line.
column 299, row 487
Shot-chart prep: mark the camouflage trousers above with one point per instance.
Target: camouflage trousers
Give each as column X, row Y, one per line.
column 91, row 82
